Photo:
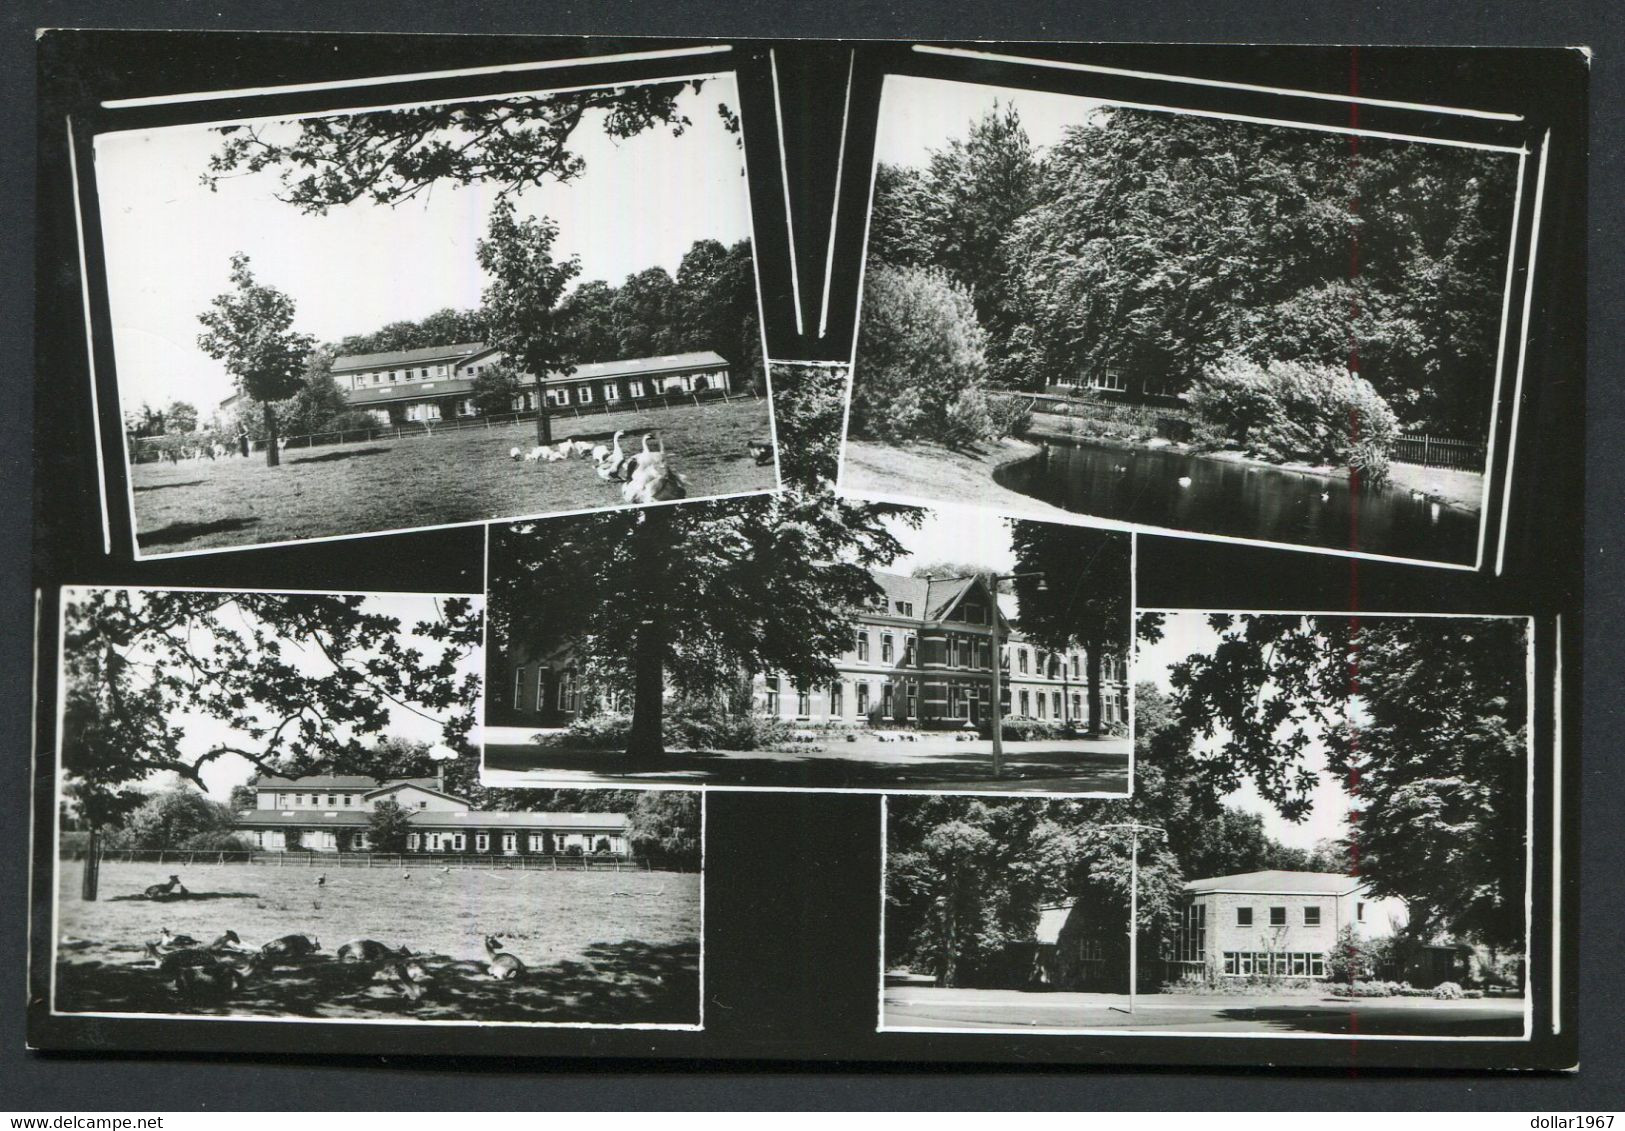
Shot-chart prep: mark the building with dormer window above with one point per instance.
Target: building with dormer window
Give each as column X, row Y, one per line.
column 920, row 656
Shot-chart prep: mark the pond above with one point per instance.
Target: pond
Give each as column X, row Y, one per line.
column 1241, row 500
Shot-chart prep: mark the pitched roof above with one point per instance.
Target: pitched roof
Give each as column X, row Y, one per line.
column 433, row 819
column 900, row 587
column 407, row 357
column 1050, row 922
column 336, row 781
column 946, row 593
column 636, row 365
column 410, row 390
column 1278, row 881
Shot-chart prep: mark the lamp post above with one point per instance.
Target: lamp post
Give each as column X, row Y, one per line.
column 991, row 579
column 1134, row 829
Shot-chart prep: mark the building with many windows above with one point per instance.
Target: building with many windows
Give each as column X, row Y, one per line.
column 1276, row 923
column 438, row 382
column 332, row 813
column 920, row 657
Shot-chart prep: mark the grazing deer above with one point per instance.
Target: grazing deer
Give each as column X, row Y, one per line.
column 165, row 890
column 503, row 966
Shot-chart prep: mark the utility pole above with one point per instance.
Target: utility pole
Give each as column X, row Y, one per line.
column 1134, row 830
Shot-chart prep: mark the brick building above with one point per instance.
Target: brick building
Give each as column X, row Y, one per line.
column 920, row 657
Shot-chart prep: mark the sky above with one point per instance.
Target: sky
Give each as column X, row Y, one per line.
column 918, row 115
column 642, row 202
column 969, row 536
column 1187, row 633
column 202, row 732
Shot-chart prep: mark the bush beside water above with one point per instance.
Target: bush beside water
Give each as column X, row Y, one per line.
column 1289, row 411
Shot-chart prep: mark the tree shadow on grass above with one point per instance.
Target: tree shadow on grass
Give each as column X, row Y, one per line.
column 1093, row 769
column 167, row 486
column 1408, row 1022
column 189, row 897
column 334, row 457
column 612, row 983
column 186, row 531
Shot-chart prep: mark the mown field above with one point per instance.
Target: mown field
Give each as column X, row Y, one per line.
column 446, row 477
column 605, row 947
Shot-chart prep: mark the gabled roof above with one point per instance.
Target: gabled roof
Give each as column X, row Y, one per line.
column 319, row 782
column 900, row 587
column 1050, row 922
column 433, row 787
column 945, row 594
column 460, row 351
column 1279, row 882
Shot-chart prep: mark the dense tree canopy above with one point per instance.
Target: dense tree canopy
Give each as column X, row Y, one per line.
column 1154, row 244
column 178, row 818
column 722, row 587
column 1426, row 720
column 1073, row 590
column 391, row 156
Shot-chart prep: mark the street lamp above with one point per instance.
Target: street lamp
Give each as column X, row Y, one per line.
column 996, row 709
column 1135, row 829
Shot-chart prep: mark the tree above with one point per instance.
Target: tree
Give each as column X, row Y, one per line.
column 692, row 595
column 388, row 826
column 922, row 360
column 301, row 682
column 391, row 156
column 666, row 823
column 180, row 417
column 647, row 314
column 1081, row 598
column 965, row 877
column 318, row 401
column 243, row 796
column 179, row 818
column 496, row 388
column 1423, row 717
column 251, row 330
column 520, row 300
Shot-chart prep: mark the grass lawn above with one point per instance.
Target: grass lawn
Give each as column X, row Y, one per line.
column 601, row 946
column 934, row 761
column 447, row 477
column 932, row 473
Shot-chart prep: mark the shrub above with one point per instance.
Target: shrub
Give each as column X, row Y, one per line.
column 1010, row 416
column 687, row 726
column 1351, row 957
column 1447, row 991
column 1023, row 729
column 1297, row 411
column 922, row 360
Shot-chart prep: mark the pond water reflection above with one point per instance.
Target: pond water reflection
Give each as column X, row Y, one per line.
column 1176, row 489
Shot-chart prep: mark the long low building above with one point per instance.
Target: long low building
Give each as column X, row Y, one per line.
column 439, row 382
column 333, row 813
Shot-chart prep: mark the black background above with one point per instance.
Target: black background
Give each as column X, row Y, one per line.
column 792, row 884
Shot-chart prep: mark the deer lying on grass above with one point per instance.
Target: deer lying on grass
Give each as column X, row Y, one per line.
column 369, row 950
column 503, row 966
column 165, row 890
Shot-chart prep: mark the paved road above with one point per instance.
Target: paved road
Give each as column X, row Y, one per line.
column 934, row 761
column 928, row 1007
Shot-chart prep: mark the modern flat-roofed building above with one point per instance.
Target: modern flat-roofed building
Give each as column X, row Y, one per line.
column 920, row 656
column 1276, row 923
column 438, row 382
column 332, row 813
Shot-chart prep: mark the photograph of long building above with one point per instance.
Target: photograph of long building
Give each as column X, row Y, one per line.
column 334, row 813
column 439, row 382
